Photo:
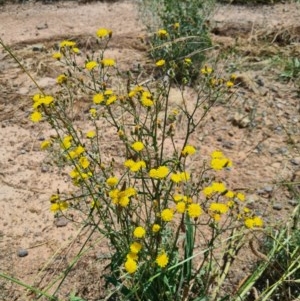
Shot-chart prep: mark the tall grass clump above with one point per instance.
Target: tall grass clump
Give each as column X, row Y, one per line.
column 174, row 227
column 277, row 275
column 181, row 32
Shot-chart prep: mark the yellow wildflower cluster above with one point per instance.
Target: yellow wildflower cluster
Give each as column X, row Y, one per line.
column 135, row 166
column 219, row 161
column 38, row 101
column 144, row 96
column 108, row 97
column 57, row 204
column 122, row 197
column 159, row 173
column 188, row 150
column 180, row 177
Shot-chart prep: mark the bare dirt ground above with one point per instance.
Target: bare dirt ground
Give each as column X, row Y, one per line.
column 260, row 131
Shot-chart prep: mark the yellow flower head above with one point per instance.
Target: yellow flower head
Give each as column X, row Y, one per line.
column 135, row 247
column 218, row 187
column 188, row 150
column 194, row 210
column 138, row 146
column 155, row 228
column 133, row 256
column 112, row 181
column 91, row 65
column 255, row 221
column 180, row 207
column 90, row 134
column 84, row 162
column 36, row 116
column 139, row 232
column 176, row 25
column 162, row 260
column 98, row 98
column 206, row 70
column 162, row 33
column 45, row 144
column 67, row 43
column 167, row 215
column 103, row 33
column 218, row 208
column 130, row 266
column 159, row 173
column 59, row 206
column 108, row 62
column 57, row 55
column 240, row 196
column 61, row 79
column 93, row 112
column 160, row 63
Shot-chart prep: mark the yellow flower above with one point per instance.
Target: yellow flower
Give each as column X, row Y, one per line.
column 167, row 215
column 188, row 61
column 112, row 181
column 111, row 100
column 162, row 33
column 132, row 256
column 218, row 207
column 108, row 62
column 57, row 55
column 61, row 79
column 160, row 63
column 84, row 162
column 219, row 161
column 206, row 70
column 98, row 98
column 67, row 43
column 103, row 32
column 90, row 134
column 162, row 259
column 45, row 144
column 93, row 113
column 229, row 84
column 208, row 191
column 91, row 65
column 160, row 173
column 135, row 166
column 180, row 177
column 194, row 210
column 138, row 146
column 139, row 232
column 59, row 206
column 76, row 50
column 130, row 266
column 188, row 150
column 155, row 228
column 135, row 247
column 253, row 222
column 218, row 187
column 36, row 116
column 229, row 194
column 180, row 207
column 66, row 142
column 240, row 196
column 176, row 25
column 79, row 150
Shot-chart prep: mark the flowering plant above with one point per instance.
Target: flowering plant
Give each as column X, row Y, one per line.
column 174, row 230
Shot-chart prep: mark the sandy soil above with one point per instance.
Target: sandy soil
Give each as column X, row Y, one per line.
column 260, row 132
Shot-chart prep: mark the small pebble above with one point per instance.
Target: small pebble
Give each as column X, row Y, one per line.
column 44, row 169
column 61, row 222
column 295, row 161
column 268, row 189
column 277, row 206
column 22, row 253
column 293, row 202
column 23, row 151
